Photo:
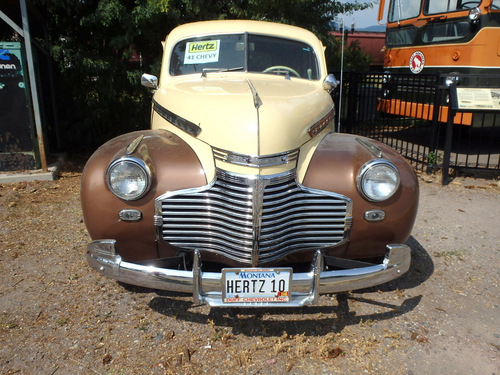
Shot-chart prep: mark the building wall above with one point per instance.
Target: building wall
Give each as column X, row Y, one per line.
column 371, row 42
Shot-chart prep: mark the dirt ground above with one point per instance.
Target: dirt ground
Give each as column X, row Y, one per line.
column 57, row 316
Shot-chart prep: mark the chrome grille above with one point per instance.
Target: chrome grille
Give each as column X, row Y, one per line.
column 253, row 220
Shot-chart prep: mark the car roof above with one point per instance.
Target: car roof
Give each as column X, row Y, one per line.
column 240, row 26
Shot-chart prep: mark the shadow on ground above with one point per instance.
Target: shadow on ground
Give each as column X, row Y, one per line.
column 332, row 314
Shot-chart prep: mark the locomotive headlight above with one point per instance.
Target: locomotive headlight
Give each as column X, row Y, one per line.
column 474, row 14
column 378, row 180
column 129, row 178
column 451, row 79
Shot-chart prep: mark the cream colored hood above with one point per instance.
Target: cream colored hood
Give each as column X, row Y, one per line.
column 248, row 114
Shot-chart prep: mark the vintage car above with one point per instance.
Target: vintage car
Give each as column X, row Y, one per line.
column 242, row 193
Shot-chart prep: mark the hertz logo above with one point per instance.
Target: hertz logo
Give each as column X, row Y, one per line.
column 203, row 47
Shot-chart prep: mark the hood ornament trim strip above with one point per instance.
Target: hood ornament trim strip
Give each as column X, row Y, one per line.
column 257, row 101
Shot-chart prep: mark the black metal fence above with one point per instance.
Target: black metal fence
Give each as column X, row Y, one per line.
column 414, row 115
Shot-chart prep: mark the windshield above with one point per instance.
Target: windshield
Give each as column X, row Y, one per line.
column 404, row 9
column 446, row 6
column 246, row 52
column 447, row 30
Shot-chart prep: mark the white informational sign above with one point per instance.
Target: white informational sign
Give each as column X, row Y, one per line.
column 478, row 98
column 202, row 52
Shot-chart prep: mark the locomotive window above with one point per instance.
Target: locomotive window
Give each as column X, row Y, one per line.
column 446, row 6
column 438, row 33
column 401, row 37
column 403, row 9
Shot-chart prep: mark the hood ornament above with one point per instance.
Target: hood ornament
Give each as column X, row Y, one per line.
column 257, row 102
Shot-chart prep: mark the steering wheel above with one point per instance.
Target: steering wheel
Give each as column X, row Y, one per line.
column 277, row 68
column 470, row 4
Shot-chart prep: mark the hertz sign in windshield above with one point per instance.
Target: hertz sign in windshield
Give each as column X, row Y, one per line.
column 202, row 52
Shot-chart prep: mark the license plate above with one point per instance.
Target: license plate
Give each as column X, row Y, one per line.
column 256, row 285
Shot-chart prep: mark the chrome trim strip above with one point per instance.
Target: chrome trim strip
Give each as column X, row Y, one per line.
column 256, row 161
column 374, row 150
column 206, row 286
column 257, row 101
column 318, row 126
column 258, row 187
column 134, row 144
column 176, row 120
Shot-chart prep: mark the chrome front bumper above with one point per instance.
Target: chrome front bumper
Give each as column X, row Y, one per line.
column 206, row 287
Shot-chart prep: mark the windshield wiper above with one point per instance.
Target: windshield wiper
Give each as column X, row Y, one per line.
column 219, row 70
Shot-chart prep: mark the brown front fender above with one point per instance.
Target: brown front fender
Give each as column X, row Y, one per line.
column 174, row 166
column 335, row 166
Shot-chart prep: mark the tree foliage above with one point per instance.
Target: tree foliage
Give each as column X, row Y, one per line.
column 101, row 47
column 354, row 56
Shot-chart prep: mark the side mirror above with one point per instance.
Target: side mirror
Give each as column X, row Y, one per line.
column 150, row 81
column 330, row 83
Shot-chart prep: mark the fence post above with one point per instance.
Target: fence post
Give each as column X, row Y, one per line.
column 452, row 105
column 434, row 141
column 352, row 102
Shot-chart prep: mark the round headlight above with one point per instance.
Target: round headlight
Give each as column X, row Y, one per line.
column 474, row 14
column 453, row 78
column 128, row 178
column 378, row 180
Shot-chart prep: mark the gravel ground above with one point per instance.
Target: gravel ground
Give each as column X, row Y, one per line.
column 57, row 316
